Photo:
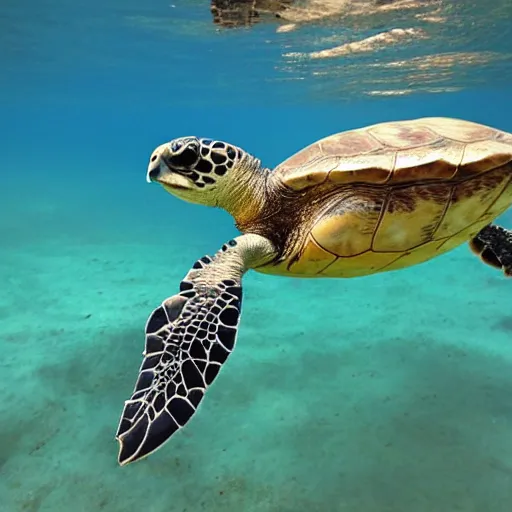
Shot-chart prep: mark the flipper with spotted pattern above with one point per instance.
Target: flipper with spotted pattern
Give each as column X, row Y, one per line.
column 494, row 246
column 188, row 339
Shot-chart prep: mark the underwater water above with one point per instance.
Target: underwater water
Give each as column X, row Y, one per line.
column 388, row 393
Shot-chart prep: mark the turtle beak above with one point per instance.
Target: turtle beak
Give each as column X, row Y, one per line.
column 153, row 173
column 160, row 172
column 157, row 166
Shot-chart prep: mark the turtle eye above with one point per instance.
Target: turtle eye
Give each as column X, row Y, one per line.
column 186, row 153
column 188, row 157
column 176, row 145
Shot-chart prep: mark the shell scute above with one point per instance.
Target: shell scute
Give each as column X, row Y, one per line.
column 374, row 168
column 347, row 229
column 422, row 253
column 312, row 173
column 458, row 129
column 312, row 259
column 351, row 143
column 404, row 134
column 472, row 199
column 411, row 217
column 438, row 162
column 483, row 156
column 313, row 164
column 307, row 155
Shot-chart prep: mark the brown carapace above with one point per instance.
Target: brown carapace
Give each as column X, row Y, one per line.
column 389, row 196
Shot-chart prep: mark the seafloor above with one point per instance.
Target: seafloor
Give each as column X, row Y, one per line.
column 388, row 393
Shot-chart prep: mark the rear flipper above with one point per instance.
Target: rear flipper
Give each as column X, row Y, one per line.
column 494, row 246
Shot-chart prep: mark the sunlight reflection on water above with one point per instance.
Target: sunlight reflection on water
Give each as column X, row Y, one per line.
column 359, row 47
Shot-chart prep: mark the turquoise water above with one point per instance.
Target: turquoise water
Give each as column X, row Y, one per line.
column 389, row 393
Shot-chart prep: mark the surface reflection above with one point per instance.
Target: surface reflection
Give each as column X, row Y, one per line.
column 348, row 48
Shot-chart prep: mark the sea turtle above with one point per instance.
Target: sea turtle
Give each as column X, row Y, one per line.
column 363, row 201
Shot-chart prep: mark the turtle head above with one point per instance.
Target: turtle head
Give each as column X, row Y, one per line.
column 201, row 171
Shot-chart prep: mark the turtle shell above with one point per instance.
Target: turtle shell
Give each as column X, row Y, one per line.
column 438, row 149
column 396, row 194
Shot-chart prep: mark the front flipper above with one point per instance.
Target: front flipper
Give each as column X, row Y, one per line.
column 188, row 339
column 494, row 246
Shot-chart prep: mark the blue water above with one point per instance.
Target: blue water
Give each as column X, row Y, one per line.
column 390, row 393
